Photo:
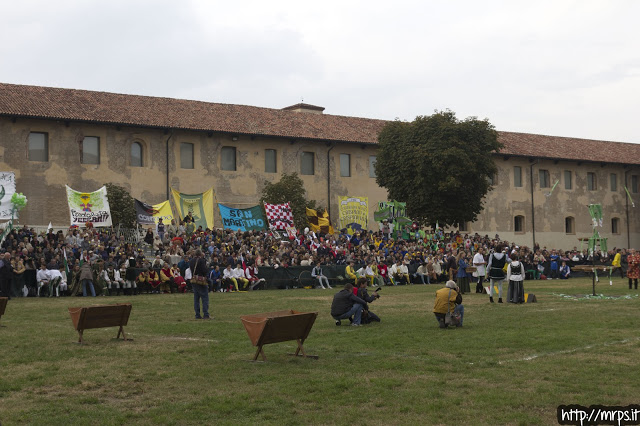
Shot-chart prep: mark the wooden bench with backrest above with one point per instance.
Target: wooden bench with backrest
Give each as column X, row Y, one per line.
column 280, row 326
column 100, row 316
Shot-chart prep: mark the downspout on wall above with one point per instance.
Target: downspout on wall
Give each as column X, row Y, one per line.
column 533, row 214
column 167, row 160
column 329, row 179
column 626, row 208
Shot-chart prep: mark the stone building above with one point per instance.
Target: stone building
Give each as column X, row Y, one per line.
column 51, row 137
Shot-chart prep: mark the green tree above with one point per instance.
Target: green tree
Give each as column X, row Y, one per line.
column 290, row 188
column 438, row 165
column 123, row 211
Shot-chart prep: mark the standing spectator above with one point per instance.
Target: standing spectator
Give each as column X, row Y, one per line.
column 497, row 262
column 479, row 263
column 462, row 276
column 6, row 275
column 200, row 292
column 86, row 278
column 452, row 266
column 554, row 264
column 515, row 277
column 18, row 274
column 160, row 229
column 617, row 262
column 633, row 271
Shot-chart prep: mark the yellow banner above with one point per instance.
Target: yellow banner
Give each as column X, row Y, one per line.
column 164, row 212
column 354, row 213
column 200, row 206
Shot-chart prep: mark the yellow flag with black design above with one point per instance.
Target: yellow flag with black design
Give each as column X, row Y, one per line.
column 319, row 223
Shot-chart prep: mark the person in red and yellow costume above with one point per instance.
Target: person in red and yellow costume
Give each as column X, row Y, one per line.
column 633, row 272
column 154, row 280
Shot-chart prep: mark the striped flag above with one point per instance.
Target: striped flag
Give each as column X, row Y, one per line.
column 66, row 263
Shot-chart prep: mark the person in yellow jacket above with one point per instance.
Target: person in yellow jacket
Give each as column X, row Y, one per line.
column 350, row 272
column 448, row 299
column 617, row 259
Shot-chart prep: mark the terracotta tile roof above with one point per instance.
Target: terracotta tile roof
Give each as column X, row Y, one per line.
column 147, row 111
column 556, row 147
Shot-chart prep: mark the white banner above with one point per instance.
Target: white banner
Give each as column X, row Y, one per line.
column 7, row 189
column 89, row 207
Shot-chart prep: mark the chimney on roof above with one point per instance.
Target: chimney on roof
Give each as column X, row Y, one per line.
column 301, row 107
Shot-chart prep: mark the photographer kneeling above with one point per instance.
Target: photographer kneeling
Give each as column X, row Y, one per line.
column 367, row 315
column 448, row 299
column 345, row 304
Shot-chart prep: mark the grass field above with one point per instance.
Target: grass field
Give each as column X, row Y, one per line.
column 508, row 364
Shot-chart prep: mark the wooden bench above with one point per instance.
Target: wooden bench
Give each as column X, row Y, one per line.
column 3, row 306
column 280, row 326
column 100, row 316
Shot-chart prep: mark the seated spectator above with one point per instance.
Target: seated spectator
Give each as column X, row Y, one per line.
column 153, row 279
column 383, row 270
column 59, row 280
column 400, row 273
column 565, row 271
column 229, row 279
column 316, row 273
column 251, row 274
column 239, row 275
column 167, row 283
column 423, row 272
column 214, row 279
column 142, row 281
column 43, row 277
column 111, row 278
column 350, row 271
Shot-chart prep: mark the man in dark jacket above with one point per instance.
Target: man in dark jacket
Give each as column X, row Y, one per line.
column 6, row 275
column 198, row 268
column 367, row 315
column 345, row 304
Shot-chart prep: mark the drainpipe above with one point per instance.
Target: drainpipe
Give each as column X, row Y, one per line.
column 329, row 180
column 167, row 159
column 626, row 199
column 533, row 214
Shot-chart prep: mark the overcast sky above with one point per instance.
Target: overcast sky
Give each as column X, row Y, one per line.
column 566, row 68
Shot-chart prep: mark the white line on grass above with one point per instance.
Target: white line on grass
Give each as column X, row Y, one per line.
column 570, row 351
column 192, row 339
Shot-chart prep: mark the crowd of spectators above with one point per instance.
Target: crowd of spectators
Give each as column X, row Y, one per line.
column 160, row 262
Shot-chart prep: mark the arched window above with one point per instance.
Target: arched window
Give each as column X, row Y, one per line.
column 569, row 225
column 136, row 154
